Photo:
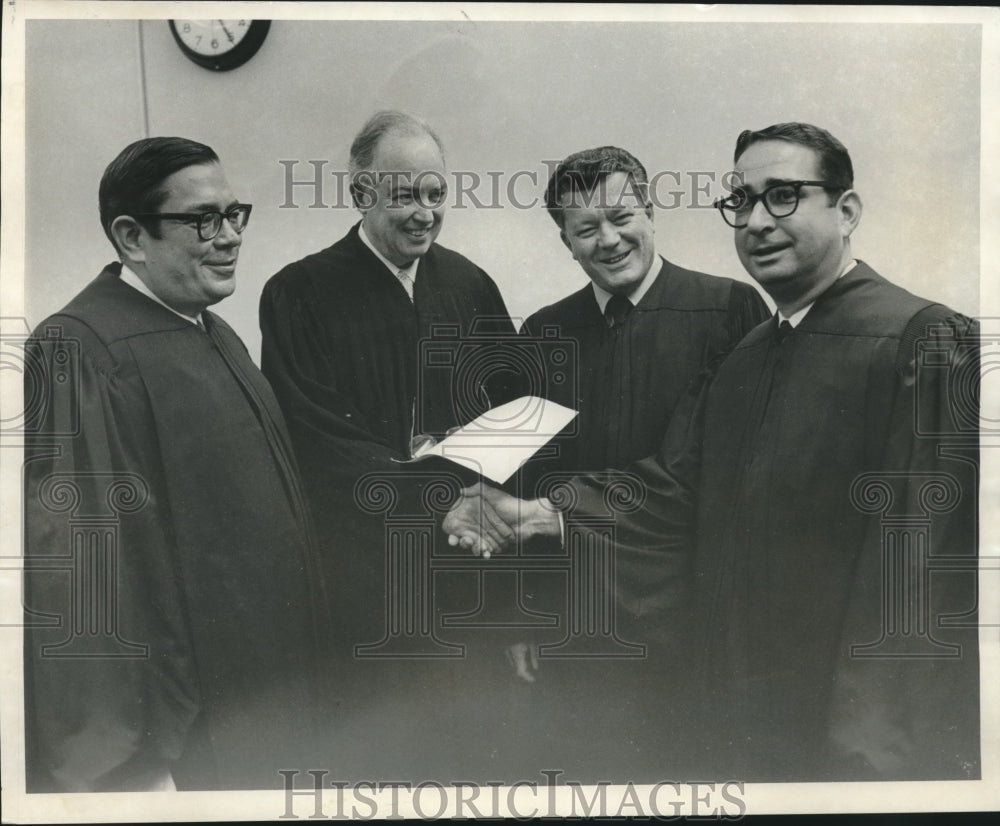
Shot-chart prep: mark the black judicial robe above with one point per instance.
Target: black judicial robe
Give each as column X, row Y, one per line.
column 627, row 381
column 629, row 378
column 358, row 370
column 804, row 465
column 186, row 634
column 349, row 354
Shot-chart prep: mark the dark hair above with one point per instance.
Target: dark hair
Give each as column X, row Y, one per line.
column 835, row 165
column 582, row 171
column 132, row 182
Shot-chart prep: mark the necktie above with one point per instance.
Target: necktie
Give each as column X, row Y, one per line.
column 406, row 281
column 783, row 331
column 617, row 310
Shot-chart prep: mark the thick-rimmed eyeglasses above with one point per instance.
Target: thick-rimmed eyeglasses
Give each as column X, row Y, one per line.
column 780, row 200
column 209, row 224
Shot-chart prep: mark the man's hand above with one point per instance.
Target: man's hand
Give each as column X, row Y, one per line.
column 486, row 520
column 474, row 523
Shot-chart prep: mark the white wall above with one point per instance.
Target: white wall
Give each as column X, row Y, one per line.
column 505, row 97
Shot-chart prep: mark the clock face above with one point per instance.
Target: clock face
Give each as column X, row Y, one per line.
column 219, row 44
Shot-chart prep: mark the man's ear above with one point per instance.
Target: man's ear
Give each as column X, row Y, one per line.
column 128, row 233
column 649, row 210
column 850, row 208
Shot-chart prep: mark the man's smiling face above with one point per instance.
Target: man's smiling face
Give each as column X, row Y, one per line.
column 409, row 197
column 185, row 272
column 610, row 232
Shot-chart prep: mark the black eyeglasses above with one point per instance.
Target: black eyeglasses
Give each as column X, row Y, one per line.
column 780, row 200
column 209, row 224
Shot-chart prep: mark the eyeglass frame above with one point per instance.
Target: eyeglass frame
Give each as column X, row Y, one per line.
column 198, row 217
column 761, row 197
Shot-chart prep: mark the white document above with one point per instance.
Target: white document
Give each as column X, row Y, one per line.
column 502, row 439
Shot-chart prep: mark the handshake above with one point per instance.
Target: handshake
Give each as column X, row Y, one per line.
column 485, row 520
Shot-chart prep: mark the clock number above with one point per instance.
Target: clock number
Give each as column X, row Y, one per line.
column 219, row 45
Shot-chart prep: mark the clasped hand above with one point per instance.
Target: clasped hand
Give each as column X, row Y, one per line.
column 485, row 520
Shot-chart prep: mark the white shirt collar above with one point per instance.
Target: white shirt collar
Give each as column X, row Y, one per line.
column 410, row 269
column 603, row 296
column 795, row 318
column 129, row 277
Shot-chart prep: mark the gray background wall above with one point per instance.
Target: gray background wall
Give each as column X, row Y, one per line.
column 905, row 99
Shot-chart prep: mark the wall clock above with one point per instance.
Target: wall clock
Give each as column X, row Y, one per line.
column 219, row 45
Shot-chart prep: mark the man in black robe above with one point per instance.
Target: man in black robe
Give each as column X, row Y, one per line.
column 361, row 343
column 827, row 481
column 642, row 330
column 643, row 327
column 173, row 605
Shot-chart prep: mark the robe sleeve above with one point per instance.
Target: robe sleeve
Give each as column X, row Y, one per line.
column 110, row 691
column 654, row 542
column 906, row 691
column 297, row 362
column 655, row 532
